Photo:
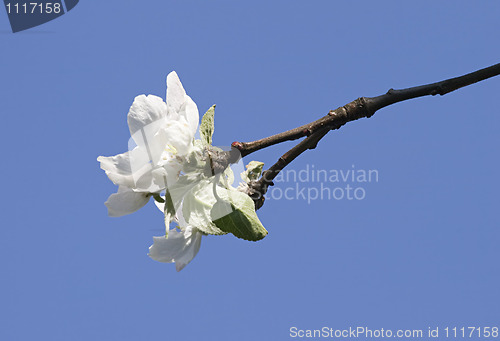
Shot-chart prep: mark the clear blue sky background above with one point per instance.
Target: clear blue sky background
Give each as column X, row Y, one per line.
column 421, row 250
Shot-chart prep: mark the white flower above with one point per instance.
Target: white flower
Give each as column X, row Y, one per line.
column 162, row 137
column 185, row 177
column 162, row 134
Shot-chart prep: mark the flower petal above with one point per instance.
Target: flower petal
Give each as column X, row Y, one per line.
column 176, row 96
column 190, row 113
column 179, row 247
column 118, row 168
column 176, row 134
column 131, row 169
column 148, row 140
column 166, row 175
column 144, row 111
column 125, row 201
column 180, row 105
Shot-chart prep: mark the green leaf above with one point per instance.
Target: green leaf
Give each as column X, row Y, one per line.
column 207, row 126
column 253, row 172
column 234, row 212
column 197, row 205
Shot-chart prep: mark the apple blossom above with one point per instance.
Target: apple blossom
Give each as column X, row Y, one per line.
column 189, row 179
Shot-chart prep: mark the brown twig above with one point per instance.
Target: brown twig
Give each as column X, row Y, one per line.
column 359, row 108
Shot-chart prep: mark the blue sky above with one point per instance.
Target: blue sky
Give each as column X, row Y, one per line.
column 420, row 250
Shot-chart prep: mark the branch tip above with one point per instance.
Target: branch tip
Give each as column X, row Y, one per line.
column 237, row 145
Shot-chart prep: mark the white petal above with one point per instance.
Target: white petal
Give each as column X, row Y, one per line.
column 144, row 111
column 180, row 189
column 190, row 113
column 180, row 105
column 125, row 201
column 180, row 217
column 166, row 176
column 177, row 134
column 148, row 140
column 179, row 247
column 176, row 96
column 118, row 168
column 131, row 169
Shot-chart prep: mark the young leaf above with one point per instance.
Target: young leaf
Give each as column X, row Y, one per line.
column 242, row 221
column 207, row 126
column 197, row 205
column 253, row 172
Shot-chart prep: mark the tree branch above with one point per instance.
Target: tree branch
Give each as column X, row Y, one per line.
column 336, row 119
column 359, row 108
